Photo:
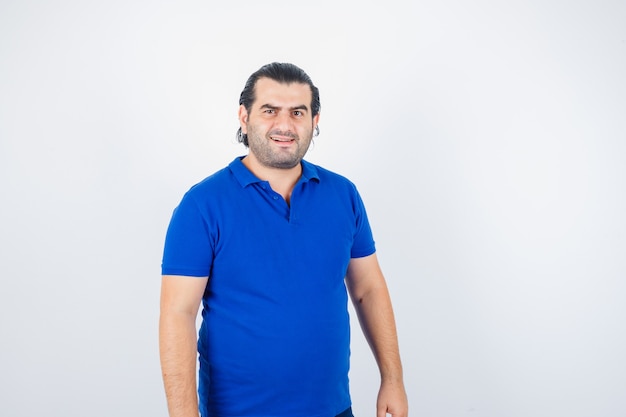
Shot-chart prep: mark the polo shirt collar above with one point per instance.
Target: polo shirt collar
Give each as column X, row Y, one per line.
column 309, row 172
column 245, row 177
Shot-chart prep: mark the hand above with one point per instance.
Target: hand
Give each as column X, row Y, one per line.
column 392, row 400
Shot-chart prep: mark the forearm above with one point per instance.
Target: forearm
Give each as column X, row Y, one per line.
column 377, row 321
column 177, row 344
column 373, row 307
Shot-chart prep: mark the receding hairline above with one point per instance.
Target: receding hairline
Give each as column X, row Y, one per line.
column 307, row 107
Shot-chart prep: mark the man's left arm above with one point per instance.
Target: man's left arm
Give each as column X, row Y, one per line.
column 370, row 296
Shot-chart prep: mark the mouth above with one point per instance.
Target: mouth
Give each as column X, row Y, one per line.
column 282, row 139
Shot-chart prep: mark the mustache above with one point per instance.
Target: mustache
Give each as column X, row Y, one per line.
column 285, row 133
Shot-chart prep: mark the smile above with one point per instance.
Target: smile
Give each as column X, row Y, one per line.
column 281, row 139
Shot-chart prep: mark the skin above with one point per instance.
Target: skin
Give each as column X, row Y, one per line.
column 370, row 297
column 280, row 127
column 180, row 301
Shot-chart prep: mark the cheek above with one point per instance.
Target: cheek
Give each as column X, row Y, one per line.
column 305, row 130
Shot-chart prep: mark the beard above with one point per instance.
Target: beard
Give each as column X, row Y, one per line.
column 272, row 156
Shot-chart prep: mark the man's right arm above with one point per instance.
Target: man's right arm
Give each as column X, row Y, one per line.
column 180, row 300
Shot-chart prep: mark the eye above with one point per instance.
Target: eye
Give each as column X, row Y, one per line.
column 269, row 111
column 298, row 113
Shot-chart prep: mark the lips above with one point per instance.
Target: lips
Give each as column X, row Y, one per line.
column 281, row 139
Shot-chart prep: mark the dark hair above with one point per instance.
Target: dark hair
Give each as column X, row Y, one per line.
column 283, row 73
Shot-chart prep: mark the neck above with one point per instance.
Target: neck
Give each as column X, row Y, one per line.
column 282, row 180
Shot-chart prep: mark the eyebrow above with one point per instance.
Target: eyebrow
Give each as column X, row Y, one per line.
column 270, row 106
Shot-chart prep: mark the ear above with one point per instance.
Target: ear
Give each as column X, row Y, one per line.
column 243, row 119
column 316, row 120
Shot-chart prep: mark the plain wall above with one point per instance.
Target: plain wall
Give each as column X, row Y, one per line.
column 488, row 140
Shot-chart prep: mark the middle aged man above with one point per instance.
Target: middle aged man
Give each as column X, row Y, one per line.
column 268, row 245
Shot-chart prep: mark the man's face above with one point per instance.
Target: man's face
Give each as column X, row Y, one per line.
column 279, row 125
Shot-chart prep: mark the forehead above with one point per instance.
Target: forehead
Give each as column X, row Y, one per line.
column 268, row 91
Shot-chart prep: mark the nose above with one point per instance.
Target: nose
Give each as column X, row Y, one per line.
column 283, row 121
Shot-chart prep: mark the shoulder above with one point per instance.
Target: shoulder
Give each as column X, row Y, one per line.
column 328, row 177
column 338, row 188
column 205, row 191
column 213, row 181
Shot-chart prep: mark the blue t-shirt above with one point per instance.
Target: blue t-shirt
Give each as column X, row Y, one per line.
column 275, row 333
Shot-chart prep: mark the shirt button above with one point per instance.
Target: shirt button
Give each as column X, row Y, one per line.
column 275, row 197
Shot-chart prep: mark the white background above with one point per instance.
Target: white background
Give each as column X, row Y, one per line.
column 488, row 140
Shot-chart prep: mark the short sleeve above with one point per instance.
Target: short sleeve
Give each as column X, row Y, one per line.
column 363, row 238
column 188, row 250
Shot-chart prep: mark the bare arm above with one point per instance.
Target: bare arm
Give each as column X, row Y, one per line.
column 180, row 300
column 369, row 294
